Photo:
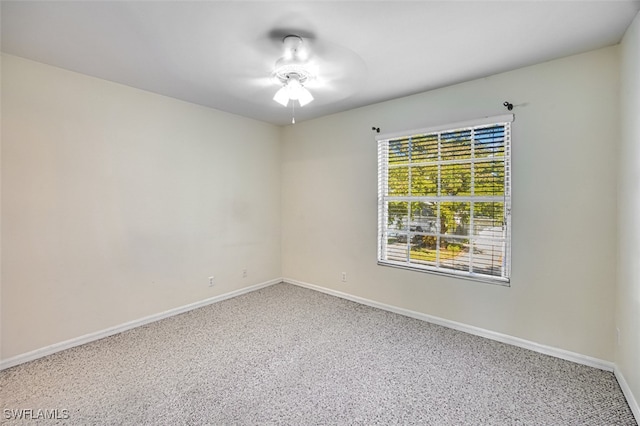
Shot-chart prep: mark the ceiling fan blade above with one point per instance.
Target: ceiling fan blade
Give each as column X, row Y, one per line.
column 340, row 72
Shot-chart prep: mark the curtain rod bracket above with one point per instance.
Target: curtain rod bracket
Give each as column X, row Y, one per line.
column 508, row 105
column 376, row 129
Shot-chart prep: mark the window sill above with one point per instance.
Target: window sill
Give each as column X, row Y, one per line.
column 505, row 282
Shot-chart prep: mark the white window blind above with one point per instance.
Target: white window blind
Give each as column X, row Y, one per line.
column 444, row 199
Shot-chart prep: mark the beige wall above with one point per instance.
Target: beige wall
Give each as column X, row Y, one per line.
column 118, row 204
column 627, row 355
column 565, row 138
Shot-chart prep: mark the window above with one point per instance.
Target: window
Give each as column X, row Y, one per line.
column 444, row 199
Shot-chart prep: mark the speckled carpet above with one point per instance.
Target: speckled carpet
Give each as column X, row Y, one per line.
column 292, row 356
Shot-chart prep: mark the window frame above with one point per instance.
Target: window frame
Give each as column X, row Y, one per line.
column 384, row 198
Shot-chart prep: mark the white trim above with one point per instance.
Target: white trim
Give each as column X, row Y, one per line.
column 477, row 331
column 506, row 118
column 626, row 390
column 87, row 338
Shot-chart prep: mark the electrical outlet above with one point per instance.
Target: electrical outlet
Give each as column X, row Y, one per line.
column 211, row 281
column 344, row 277
column 244, row 273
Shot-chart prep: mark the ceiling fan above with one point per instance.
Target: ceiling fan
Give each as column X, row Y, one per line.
column 293, row 71
column 294, row 67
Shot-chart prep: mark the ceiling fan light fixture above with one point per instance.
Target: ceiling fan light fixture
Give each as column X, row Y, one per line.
column 293, row 89
column 304, row 96
column 282, row 96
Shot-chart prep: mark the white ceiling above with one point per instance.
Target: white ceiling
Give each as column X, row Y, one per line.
column 219, row 54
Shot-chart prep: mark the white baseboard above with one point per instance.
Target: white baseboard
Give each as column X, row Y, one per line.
column 626, row 390
column 504, row 338
column 67, row 344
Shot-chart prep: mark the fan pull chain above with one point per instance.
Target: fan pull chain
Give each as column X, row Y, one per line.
column 293, row 112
